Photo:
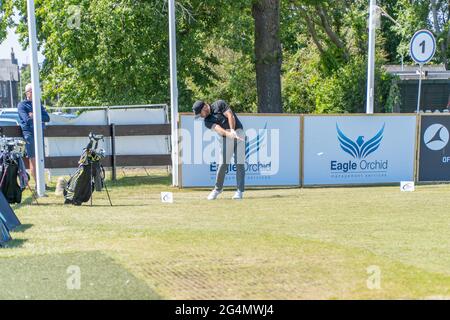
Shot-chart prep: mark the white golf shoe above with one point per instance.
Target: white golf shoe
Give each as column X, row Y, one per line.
column 214, row 194
column 239, row 195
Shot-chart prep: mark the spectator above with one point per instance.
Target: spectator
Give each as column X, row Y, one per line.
column 25, row 109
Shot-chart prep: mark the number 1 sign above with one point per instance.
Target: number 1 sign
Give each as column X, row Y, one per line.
column 422, row 49
column 423, row 46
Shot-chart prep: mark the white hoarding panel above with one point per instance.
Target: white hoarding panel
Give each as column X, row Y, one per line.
column 341, row 150
column 272, row 152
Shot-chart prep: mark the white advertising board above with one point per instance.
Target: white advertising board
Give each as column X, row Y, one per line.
column 340, row 150
column 272, row 152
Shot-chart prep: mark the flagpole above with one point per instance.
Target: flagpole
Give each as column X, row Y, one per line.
column 173, row 91
column 371, row 59
column 37, row 116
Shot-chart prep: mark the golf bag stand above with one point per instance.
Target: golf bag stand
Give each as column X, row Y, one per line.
column 103, row 184
column 99, row 170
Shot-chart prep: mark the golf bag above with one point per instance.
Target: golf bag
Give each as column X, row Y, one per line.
column 14, row 177
column 13, row 180
column 89, row 176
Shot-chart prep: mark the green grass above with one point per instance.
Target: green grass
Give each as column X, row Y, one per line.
column 276, row 244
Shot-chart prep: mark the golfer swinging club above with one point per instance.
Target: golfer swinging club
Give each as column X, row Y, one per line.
column 220, row 118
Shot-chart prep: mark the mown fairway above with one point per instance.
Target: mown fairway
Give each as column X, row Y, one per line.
column 276, row 244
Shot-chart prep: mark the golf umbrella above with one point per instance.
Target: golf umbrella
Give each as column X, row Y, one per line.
column 4, row 233
column 7, row 215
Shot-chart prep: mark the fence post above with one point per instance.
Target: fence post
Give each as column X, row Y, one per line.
column 113, row 152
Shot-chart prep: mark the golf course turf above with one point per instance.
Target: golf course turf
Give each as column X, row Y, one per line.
column 275, row 244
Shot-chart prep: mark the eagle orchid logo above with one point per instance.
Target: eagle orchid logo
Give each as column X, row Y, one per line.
column 360, row 149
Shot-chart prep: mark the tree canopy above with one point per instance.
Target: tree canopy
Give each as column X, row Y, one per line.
column 105, row 52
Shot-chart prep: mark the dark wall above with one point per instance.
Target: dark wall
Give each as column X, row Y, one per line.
column 5, row 102
column 435, row 95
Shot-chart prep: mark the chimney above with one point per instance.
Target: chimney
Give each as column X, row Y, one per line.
column 13, row 57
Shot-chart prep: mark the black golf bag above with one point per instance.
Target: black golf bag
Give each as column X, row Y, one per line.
column 89, row 176
column 9, row 186
column 14, row 177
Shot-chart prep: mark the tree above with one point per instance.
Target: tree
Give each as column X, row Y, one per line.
column 424, row 14
column 116, row 52
column 25, row 78
column 104, row 52
column 440, row 21
column 326, row 64
column 235, row 81
column 6, row 10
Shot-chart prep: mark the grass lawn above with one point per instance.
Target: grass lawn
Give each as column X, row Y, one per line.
column 276, row 244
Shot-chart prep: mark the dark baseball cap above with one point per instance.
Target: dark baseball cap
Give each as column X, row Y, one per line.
column 197, row 108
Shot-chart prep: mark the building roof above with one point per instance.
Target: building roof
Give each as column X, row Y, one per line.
column 8, row 70
column 411, row 72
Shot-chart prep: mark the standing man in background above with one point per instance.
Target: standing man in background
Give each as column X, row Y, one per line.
column 25, row 109
column 220, row 118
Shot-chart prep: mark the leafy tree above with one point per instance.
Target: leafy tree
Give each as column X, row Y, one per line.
column 301, row 79
column 25, row 78
column 393, row 103
column 116, row 52
column 6, row 10
column 235, row 83
column 440, row 12
column 326, row 70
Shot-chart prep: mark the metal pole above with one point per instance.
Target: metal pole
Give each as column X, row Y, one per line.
column 37, row 116
column 113, row 152
column 20, row 84
column 11, row 90
column 173, row 91
column 371, row 58
column 420, row 88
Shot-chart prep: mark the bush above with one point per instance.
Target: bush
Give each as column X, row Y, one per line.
column 307, row 90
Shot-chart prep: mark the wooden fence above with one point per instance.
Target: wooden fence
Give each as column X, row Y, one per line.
column 112, row 131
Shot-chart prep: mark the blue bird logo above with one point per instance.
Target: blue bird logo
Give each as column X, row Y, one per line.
column 360, row 149
column 254, row 145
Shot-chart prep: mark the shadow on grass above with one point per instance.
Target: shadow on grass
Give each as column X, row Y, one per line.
column 22, row 228
column 277, row 196
column 140, row 180
column 30, row 200
column 107, row 205
column 42, row 277
column 50, row 189
column 34, row 204
column 15, row 243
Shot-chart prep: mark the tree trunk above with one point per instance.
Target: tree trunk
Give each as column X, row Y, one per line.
column 268, row 55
